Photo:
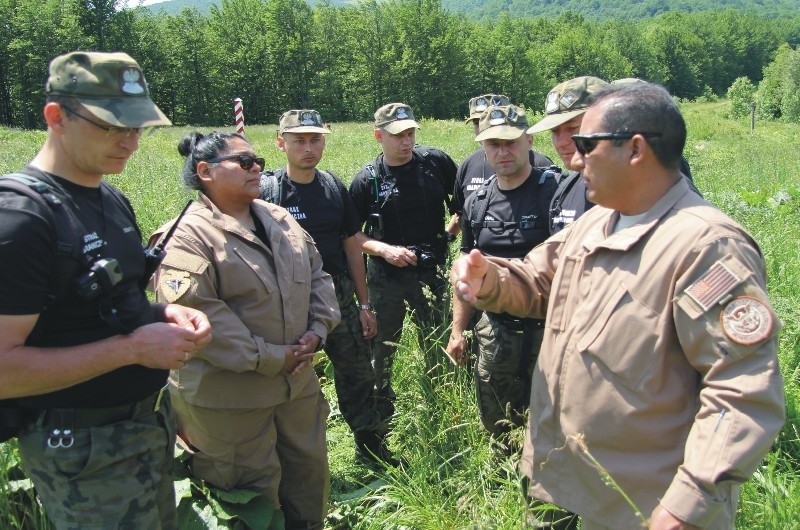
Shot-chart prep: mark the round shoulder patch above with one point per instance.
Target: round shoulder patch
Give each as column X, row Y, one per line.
column 746, row 320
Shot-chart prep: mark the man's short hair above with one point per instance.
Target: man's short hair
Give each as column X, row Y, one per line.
column 644, row 107
column 110, row 86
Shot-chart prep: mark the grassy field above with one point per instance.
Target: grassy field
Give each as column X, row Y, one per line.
column 453, row 480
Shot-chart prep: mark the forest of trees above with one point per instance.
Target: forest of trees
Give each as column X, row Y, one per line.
column 345, row 61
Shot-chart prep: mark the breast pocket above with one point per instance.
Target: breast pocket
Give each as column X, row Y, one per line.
column 301, row 262
column 238, row 275
column 623, row 338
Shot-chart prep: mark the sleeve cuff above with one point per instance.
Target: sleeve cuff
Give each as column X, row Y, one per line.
column 689, row 504
column 271, row 358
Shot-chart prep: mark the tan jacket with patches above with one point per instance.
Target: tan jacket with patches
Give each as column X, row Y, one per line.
column 258, row 298
column 647, row 361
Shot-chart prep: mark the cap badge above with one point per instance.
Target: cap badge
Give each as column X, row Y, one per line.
column 496, row 101
column 307, row 119
column 496, row 117
column 132, row 81
column 402, row 114
column 481, row 104
column 746, row 320
column 552, row 102
column 512, row 115
column 568, row 99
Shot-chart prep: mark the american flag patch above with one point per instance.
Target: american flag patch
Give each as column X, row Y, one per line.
column 712, row 287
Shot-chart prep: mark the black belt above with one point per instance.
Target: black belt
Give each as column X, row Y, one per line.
column 84, row 418
column 513, row 323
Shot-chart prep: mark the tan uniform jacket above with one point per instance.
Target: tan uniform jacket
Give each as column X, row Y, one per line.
column 257, row 298
column 637, row 363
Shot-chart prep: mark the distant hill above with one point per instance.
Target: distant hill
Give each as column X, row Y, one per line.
column 591, row 9
column 617, row 9
column 173, row 7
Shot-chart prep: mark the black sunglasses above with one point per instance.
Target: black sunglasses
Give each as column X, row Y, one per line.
column 585, row 143
column 245, row 161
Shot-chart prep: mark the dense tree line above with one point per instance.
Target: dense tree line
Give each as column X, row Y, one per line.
column 347, row 60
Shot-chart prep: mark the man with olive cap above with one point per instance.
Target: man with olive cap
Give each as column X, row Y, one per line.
column 564, row 108
column 83, row 352
column 475, row 169
column 505, row 217
column 321, row 204
column 401, row 196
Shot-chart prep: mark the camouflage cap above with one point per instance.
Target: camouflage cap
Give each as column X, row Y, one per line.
column 479, row 104
column 111, row 86
column 566, row 101
column 627, row 81
column 301, row 121
column 502, row 123
column 395, row 118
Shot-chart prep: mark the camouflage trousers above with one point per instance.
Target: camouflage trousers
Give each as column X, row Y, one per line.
column 117, row 474
column 352, row 368
column 390, row 289
column 503, row 371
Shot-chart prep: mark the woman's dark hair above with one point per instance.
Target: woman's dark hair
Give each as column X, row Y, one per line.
column 197, row 147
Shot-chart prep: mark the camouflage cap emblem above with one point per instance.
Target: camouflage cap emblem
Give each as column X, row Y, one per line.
column 402, row 114
column 308, row 118
column 568, row 99
column 497, row 117
column 481, row 104
column 133, row 81
column 552, row 102
column 512, row 115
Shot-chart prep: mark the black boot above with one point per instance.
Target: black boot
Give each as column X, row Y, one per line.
column 371, row 449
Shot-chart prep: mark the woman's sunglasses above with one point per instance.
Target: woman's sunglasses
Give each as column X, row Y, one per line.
column 585, row 143
column 246, row 162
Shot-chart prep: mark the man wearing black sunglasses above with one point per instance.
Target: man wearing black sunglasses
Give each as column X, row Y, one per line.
column 659, row 361
column 82, row 349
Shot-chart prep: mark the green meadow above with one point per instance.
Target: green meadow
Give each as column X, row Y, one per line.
column 452, row 479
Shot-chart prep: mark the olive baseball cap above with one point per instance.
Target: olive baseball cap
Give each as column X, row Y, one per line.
column 111, row 86
column 395, row 118
column 566, row 101
column 479, row 104
column 301, row 121
column 507, row 122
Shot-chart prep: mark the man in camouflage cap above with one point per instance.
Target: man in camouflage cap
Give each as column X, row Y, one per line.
column 83, row 352
column 401, row 196
column 318, row 200
column 474, row 169
column 505, row 217
column 564, row 108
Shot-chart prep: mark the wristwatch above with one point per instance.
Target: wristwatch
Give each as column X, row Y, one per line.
column 366, row 307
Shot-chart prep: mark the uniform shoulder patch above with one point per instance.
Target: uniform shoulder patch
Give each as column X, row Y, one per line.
column 174, row 283
column 713, row 286
column 746, row 320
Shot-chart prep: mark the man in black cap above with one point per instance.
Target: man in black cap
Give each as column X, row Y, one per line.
column 83, row 352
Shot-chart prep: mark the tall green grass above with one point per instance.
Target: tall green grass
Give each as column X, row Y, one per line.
column 452, row 478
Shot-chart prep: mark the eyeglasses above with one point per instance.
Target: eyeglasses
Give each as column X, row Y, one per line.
column 112, row 129
column 245, row 161
column 585, row 143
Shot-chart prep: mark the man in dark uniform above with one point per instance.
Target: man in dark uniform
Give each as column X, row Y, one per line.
column 564, row 109
column 82, row 349
column 565, row 106
column 475, row 169
column 401, row 196
column 321, row 204
column 505, row 217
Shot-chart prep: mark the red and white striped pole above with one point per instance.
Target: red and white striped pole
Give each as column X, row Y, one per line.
column 238, row 115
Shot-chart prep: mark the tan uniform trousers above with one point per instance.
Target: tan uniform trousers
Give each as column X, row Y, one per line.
column 279, row 451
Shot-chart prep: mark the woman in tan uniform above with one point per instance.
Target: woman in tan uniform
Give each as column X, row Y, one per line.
column 249, row 405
